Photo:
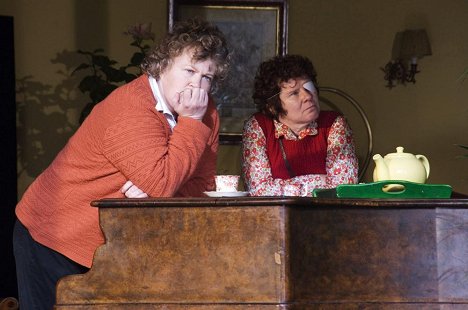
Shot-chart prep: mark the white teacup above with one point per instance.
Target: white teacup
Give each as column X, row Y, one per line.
column 227, row 183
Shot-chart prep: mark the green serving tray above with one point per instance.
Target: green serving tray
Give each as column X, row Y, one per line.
column 395, row 189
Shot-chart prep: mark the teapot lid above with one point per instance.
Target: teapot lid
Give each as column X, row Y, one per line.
column 399, row 153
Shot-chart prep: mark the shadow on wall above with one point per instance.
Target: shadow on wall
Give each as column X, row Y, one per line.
column 47, row 115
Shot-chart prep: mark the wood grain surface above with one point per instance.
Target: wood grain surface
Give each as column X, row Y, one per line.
column 276, row 253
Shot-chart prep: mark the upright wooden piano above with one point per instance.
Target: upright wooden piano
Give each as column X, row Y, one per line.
column 276, row 253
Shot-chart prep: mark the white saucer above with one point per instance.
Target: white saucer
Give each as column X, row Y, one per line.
column 226, row 194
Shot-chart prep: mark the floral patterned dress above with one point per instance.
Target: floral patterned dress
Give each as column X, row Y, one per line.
column 341, row 160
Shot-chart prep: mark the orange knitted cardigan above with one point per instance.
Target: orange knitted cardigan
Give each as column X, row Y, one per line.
column 124, row 138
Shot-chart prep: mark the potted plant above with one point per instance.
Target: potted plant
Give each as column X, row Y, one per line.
column 106, row 74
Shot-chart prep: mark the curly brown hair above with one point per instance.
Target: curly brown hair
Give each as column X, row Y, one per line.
column 271, row 73
column 204, row 38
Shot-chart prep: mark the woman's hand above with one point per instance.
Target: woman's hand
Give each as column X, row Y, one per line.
column 132, row 191
column 192, row 102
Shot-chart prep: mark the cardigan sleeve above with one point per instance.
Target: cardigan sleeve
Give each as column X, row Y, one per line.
column 203, row 178
column 140, row 145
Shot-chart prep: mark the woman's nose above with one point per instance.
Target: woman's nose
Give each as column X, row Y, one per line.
column 195, row 82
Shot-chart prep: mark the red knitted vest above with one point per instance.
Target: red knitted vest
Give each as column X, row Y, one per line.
column 306, row 156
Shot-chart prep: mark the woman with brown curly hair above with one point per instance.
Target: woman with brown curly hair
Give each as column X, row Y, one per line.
column 158, row 135
column 291, row 147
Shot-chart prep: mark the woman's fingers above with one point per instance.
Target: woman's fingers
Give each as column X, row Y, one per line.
column 193, row 103
column 126, row 186
column 132, row 191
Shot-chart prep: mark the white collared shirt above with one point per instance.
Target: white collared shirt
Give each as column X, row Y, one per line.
column 161, row 105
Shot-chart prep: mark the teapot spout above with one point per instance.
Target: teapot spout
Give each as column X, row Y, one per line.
column 381, row 170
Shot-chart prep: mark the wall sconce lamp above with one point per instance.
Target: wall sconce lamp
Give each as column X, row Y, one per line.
column 408, row 47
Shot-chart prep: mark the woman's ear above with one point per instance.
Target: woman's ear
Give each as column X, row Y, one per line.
column 271, row 109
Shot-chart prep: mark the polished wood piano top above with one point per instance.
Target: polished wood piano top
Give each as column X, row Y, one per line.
column 276, row 253
column 280, row 201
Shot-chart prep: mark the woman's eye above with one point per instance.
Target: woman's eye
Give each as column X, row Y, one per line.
column 208, row 78
column 189, row 71
column 294, row 93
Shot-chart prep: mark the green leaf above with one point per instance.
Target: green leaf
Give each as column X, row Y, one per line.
column 136, row 59
column 114, row 75
column 101, row 92
column 462, row 146
column 86, row 110
column 464, row 75
column 84, row 52
column 103, row 61
column 81, row 67
column 90, row 83
column 129, row 77
column 96, row 51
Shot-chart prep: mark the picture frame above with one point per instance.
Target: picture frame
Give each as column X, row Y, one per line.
column 255, row 31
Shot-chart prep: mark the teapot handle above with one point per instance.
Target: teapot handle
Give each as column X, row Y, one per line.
column 425, row 163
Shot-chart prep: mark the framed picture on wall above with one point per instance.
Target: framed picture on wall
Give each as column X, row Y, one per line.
column 256, row 31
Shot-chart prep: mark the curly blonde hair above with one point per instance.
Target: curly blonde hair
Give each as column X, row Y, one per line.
column 204, row 38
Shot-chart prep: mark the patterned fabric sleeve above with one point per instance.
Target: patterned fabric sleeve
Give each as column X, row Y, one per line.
column 341, row 163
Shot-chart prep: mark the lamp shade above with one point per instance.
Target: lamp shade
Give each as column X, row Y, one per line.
column 414, row 43
column 396, row 48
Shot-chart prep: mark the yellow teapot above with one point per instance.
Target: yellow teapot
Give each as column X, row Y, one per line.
column 401, row 166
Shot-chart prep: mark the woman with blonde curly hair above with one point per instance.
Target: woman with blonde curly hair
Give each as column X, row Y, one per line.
column 156, row 136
